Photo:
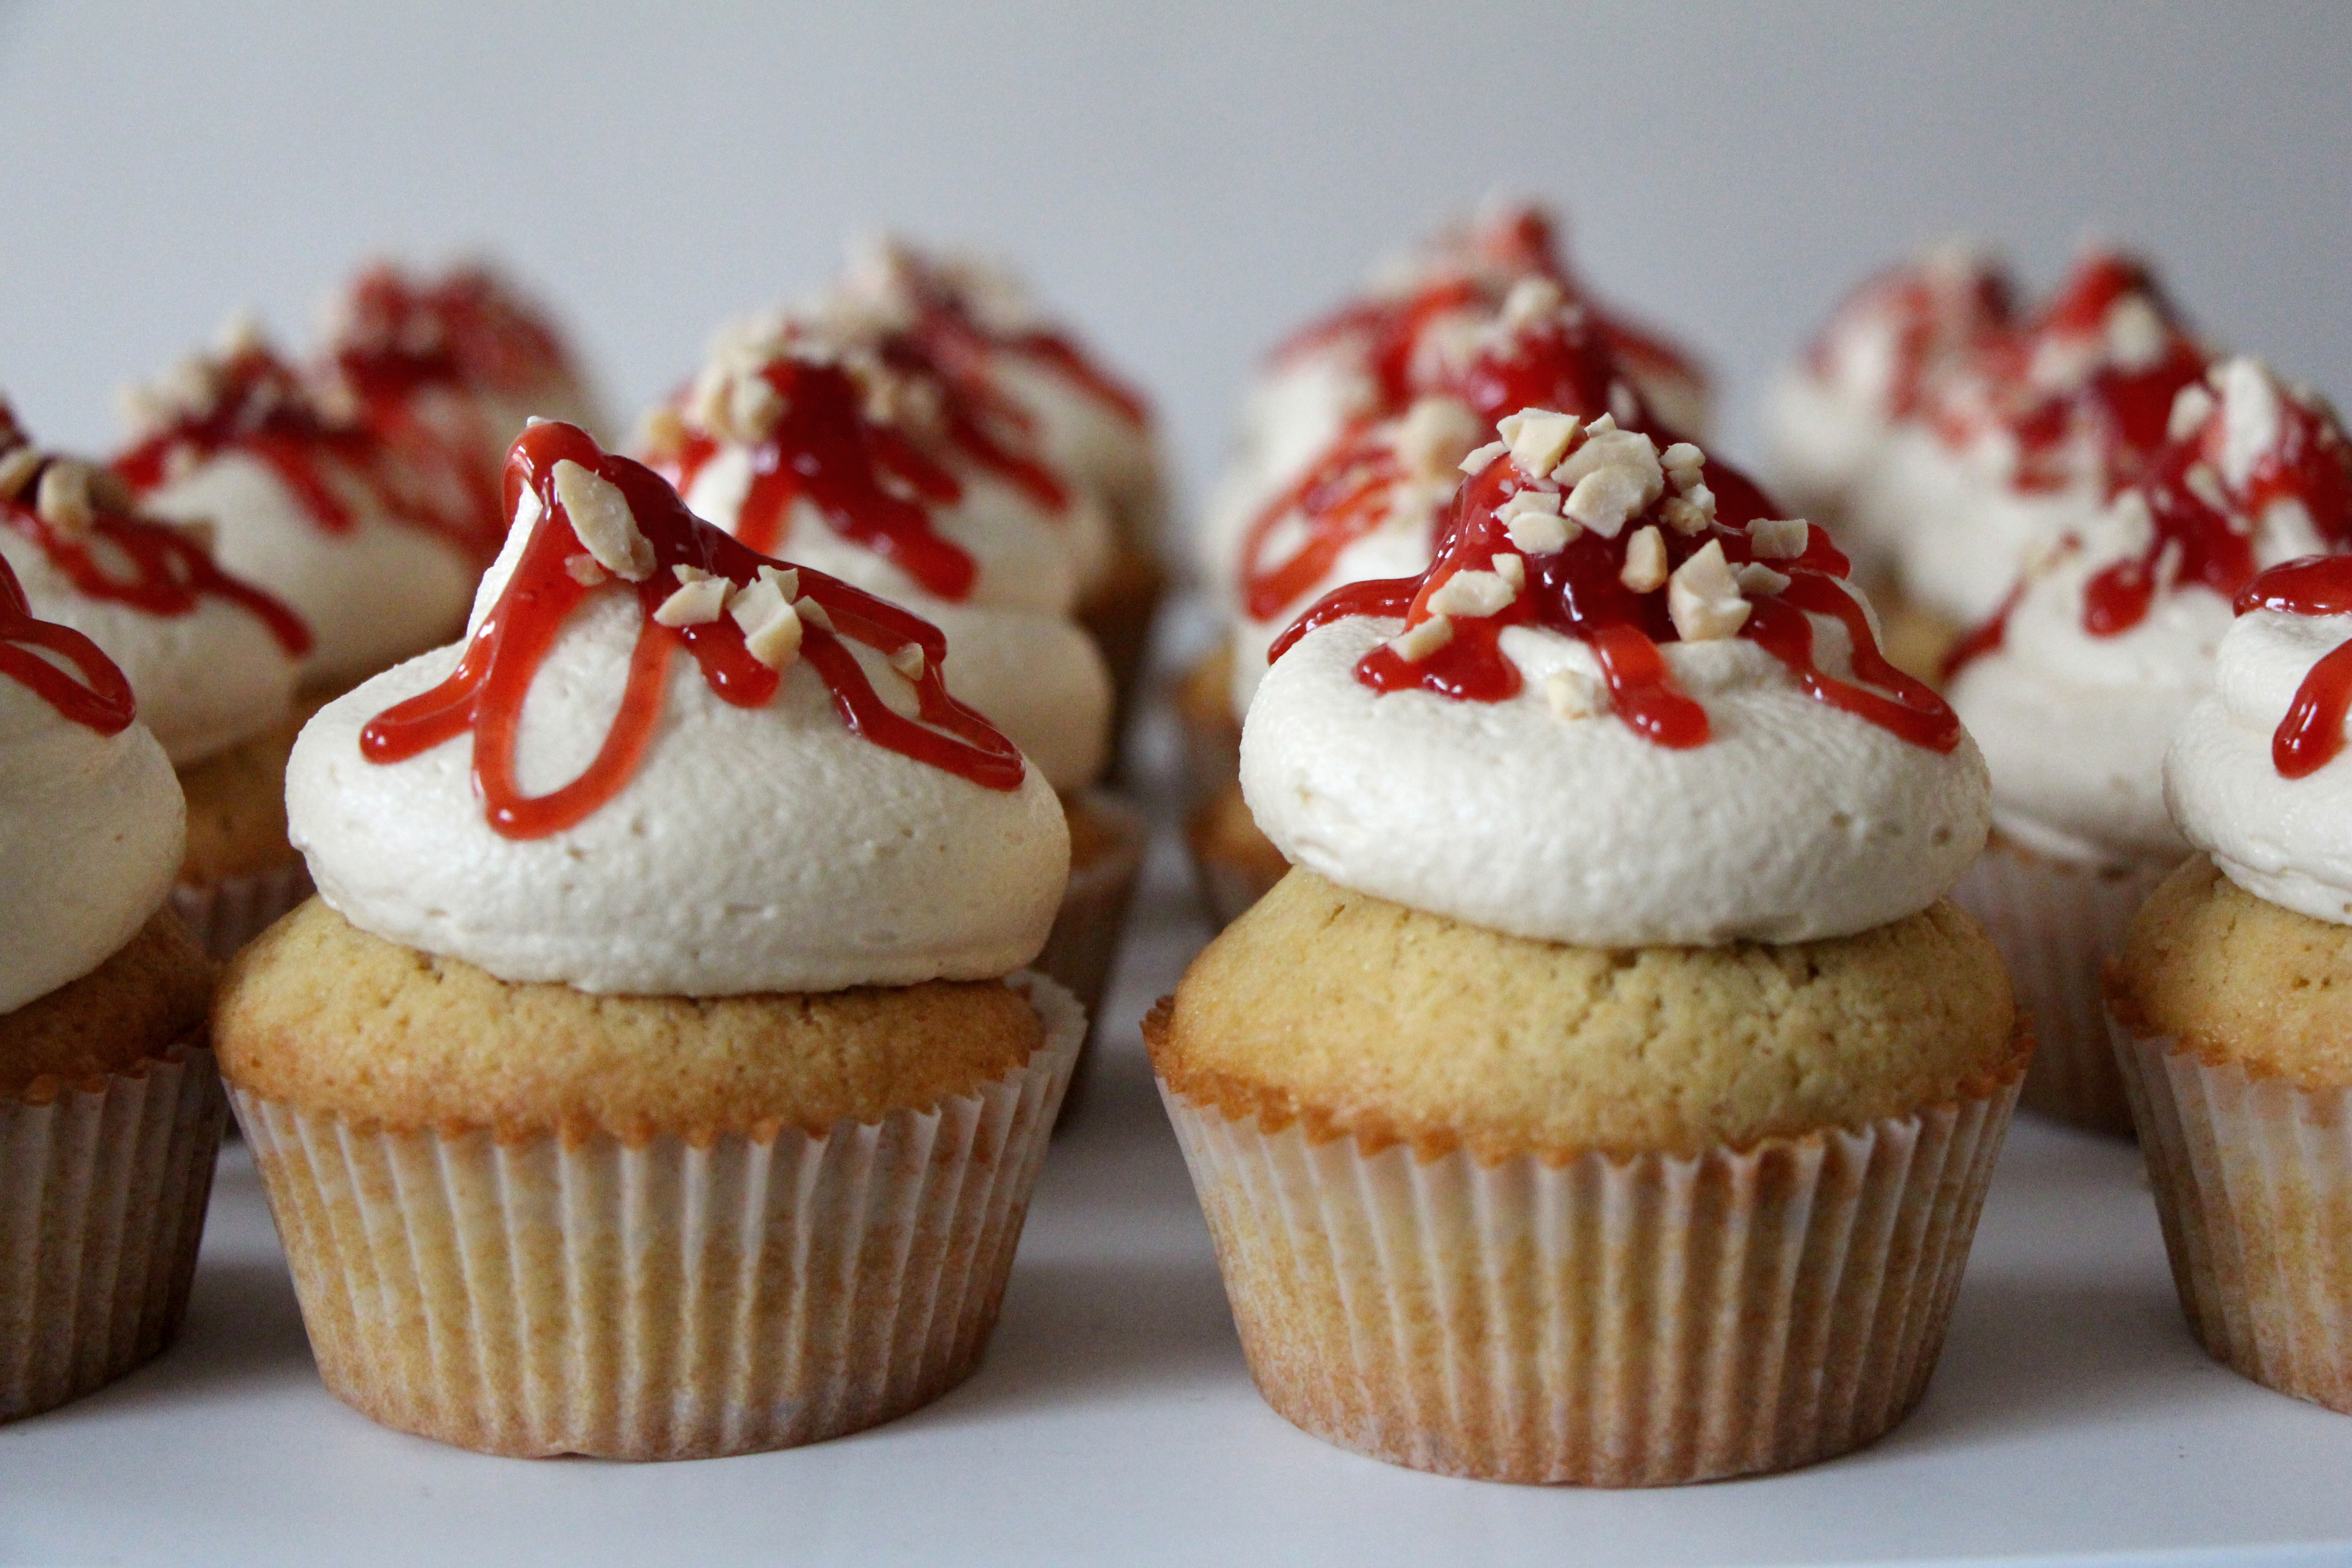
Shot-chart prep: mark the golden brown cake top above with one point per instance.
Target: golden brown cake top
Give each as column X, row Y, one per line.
column 1363, row 1017
column 147, row 998
column 2237, row 978
column 323, row 1014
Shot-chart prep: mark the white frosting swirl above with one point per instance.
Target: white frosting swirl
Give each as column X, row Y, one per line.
column 93, row 830
column 206, row 680
column 1040, row 679
column 1795, row 821
column 753, row 849
column 2285, row 840
column 376, row 592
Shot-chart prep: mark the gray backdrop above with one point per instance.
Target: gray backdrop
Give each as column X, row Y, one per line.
column 1187, row 183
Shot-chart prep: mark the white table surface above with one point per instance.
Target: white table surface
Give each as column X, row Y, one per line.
column 2073, row 1418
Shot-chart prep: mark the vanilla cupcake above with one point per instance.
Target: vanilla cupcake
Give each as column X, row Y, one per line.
column 307, row 501
column 811, row 433
column 110, row 1112
column 1609, row 1095
column 2076, row 689
column 212, row 660
column 1370, row 505
column 974, row 322
column 663, row 1062
column 2229, row 1001
column 1405, row 336
column 2017, row 426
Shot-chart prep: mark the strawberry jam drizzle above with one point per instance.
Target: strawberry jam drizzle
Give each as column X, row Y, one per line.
column 100, row 701
column 951, row 332
column 1938, row 318
column 1559, row 362
column 2311, row 733
column 486, row 693
column 1578, row 591
column 870, row 484
column 166, row 572
column 263, row 410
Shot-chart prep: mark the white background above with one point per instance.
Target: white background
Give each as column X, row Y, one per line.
column 1186, row 181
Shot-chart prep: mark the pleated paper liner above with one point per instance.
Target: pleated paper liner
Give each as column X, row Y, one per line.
column 1082, row 947
column 2056, row 925
column 227, row 915
column 1619, row 1322
column 2253, row 1184
column 664, row 1301
column 102, row 1193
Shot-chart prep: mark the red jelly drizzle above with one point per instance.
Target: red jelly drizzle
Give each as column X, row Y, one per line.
column 1559, row 363
column 953, row 332
column 2311, row 733
column 1936, row 317
column 462, row 329
column 1578, row 591
column 485, row 692
column 167, row 574
column 871, row 484
column 100, row 701
column 263, row 410
column 2311, row 463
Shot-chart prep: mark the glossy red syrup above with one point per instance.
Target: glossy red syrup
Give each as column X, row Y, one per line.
column 486, row 693
column 1936, row 320
column 264, row 410
column 29, row 652
column 1579, row 592
column 870, row 484
column 2311, row 733
column 1559, row 363
column 951, row 332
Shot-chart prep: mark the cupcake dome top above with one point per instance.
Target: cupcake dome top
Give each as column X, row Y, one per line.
column 795, row 804
column 92, row 822
column 1624, row 706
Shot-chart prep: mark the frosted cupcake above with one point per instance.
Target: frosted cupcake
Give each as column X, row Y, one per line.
column 110, row 1112
column 2076, row 687
column 663, row 1060
column 1405, row 336
column 2230, row 999
column 307, row 501
column 213, row 661
column 819, row 435
column 1609, row 1094
column 975, row 323
column 1370, row 506
column 2020, row 427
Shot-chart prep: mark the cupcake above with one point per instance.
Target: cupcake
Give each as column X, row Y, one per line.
column 212, row 660
column 1372, row 356
column 1609, row 1094
column 816, row 433
column 973, row 323
column 110, row 1112
column 1370, row 506
column 311, row 503
column 2019, row 426
column 657, row 1051
column 2230, row 1026
column 2076, row 689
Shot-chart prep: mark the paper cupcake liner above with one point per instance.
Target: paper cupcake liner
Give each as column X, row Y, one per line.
column 666, row 1300
column 2056, row 925
column 1083, row 946
column 2253, row 1184
column 227, row 915
column 1645, row 1321
column 102, row 1193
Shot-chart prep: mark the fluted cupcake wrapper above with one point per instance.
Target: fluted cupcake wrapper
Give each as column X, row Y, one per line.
column 102, row 1193
column 1643, row 1321
column 2253, row 1184
column 2056, row 926
column 668, row 1300
column 1083, row 946
column 227, row 915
